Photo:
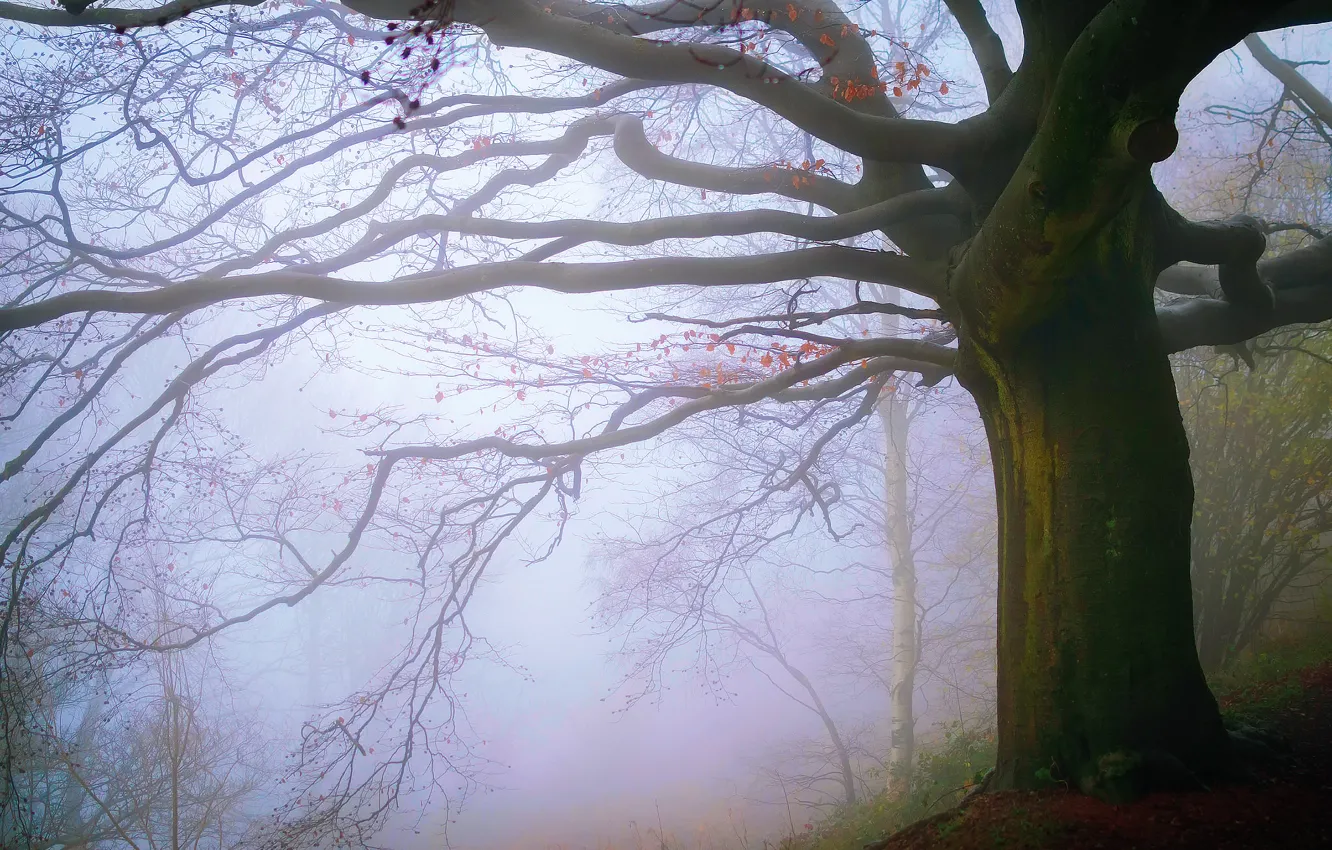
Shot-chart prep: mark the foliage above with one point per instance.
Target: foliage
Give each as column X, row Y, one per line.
column 1268, row 675
column 944, row 772
column 89, row 760
column 1261, row 443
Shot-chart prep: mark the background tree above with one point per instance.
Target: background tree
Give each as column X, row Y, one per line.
column 1256, row 529
column 206, row 205
column 707, row 587
column 746, row 620
column 92, row 762
column 705, row 579
column 1262, row 460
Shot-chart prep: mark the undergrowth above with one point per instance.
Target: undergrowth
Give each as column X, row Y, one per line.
column 1255, row 684
column 943, row 773
column 1268, row 677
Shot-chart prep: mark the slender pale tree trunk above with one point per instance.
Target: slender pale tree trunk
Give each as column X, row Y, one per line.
column 897, row 533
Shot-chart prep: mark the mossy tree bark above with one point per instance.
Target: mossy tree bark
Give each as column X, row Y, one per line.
column 1065, row 352
column 1099, row 682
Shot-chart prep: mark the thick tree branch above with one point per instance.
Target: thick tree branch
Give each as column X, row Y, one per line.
column 821, row 27
column 697, row 226
column 1301, row 283
column 1189, row 279
column 634, row 150
column 804, row 319
column 525, row 23
column 1190, row 323
column 1234, row 246
column 126, row 18
column 831, row 261
column 985, row 43
column 1319, row 104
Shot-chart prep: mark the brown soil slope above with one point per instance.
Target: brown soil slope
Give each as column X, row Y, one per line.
column 1288, row 806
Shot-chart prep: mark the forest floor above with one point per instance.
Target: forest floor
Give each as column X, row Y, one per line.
column 1288, row 691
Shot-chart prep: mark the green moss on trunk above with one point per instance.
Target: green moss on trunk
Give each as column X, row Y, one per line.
column 1099, row 682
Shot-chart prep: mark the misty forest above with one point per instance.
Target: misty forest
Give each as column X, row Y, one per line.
column 665, row 424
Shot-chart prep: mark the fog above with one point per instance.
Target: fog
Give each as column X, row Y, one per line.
column 685, row 639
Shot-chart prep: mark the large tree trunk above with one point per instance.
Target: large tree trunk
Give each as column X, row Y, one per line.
column 1099, row 683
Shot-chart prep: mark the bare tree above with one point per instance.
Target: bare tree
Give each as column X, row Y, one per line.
column 204, row 201
column 737, row 625
column 89, row 764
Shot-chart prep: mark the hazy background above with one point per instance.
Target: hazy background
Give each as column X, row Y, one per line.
column 560, row 760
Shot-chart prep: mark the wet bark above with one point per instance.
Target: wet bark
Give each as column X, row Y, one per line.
column 1099, row 683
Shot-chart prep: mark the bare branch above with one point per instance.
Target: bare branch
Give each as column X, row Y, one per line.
column 1319, row 104
column 75, row 14
column 525, row 23
column 985, row 43
column 834, row 261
